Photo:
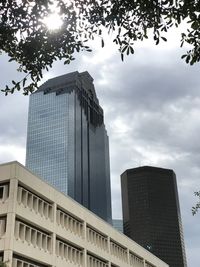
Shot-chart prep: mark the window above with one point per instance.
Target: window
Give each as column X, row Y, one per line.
column 69, row 252
column 93, row 261
column 97, row 238
column 4, row 189
column 23, row 262
column 2, row 226
column 1, row 192
column 1, row 256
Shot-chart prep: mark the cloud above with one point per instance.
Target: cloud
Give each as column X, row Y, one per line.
column 12, row 152
column 13, row 119
column 152, row 113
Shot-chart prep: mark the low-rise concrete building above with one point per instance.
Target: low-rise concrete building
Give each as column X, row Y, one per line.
column 41, row 227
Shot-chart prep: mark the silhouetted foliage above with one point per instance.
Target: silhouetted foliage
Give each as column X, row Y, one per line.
column 197, row 207
column 27, row 40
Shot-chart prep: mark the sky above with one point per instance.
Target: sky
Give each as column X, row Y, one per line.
column 151, row 104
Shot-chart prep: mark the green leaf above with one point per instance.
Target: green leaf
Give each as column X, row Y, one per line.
column 195, row 25
column 26, row 40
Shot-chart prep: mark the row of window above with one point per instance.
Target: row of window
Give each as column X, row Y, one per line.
column 148, row 265
column 69, row 222
column 136, row 261
column 33, row 236
column 34, row 202
column 93, row 261
column 97, row 238
column 118, row 251
column 23, row 263
column 74, row 225
column 43, row 240
column 69, row 252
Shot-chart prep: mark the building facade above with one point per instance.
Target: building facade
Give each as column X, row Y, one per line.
column 151, row 212
column 67, row 143
column 41, row 227
column 118, row 224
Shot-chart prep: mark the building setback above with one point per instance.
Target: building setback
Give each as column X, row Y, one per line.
column 151, row 212
column 118, row 224
column 67, row 143
column 41, row 227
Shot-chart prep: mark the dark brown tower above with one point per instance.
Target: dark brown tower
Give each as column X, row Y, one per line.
column 151, row 212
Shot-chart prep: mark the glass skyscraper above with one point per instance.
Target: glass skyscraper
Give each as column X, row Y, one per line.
column 67, row 143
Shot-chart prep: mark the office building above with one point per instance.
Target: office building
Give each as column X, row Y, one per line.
column 118, row 224
column 67, row 143
column 41, row 227
column 151, row 212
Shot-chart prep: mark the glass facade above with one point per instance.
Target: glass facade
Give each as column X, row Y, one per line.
column 151, row 212
column 118, row 225
column 67, row 144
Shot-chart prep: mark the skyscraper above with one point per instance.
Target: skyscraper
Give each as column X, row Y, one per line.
column 67, row 143
column 151, row 212
column 118, row 224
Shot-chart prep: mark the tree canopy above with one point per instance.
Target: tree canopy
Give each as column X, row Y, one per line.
column 26, row 39
column 197, row 206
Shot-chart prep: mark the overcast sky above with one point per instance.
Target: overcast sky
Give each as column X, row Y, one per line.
column 152, row 114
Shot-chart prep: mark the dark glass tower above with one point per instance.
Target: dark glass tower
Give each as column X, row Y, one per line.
column 67, row 144
column 151, row 212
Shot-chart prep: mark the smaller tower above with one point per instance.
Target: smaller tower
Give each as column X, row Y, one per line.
column 151, row 212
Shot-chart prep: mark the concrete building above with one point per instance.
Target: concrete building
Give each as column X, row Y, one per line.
column 151, row 212
column 41, row 227
column 67, row 143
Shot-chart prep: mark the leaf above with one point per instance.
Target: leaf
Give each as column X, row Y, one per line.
column 132, row 50
column 26, row 40
column 102, row 42
column 183, row 56
column 187, row 58
column 195, row 25
column 124, row 48
column 24, row 81
column 157, row 41
column 128, row 50
column 164, row 39
column 18, row 86
column 11, row 59
column 66, row 61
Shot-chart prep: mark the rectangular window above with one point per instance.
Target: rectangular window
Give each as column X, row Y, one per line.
column 1, row 192
column 1, row 256
column 4, row 189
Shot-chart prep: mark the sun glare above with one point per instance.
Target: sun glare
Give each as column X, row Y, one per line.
column 53, row 22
